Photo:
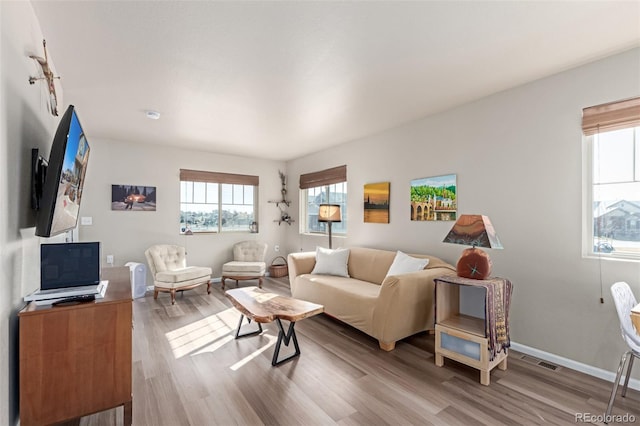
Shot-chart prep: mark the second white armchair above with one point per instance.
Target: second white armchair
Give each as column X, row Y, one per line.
column 247, row 264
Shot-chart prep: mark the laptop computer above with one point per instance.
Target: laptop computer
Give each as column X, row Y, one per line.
column 49, row 298
column 68, row 269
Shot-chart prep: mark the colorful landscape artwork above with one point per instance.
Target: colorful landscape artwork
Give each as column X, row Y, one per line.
column 376, row 202
column 434, row 198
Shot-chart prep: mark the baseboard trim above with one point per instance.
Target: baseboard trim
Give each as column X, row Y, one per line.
column 574, row 365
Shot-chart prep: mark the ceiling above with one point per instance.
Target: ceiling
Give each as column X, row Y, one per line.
column 280, row 80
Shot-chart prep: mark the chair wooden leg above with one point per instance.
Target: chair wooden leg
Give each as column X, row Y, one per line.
column 208, row 287
column 260, row 282
column 155, row 294
column 223, row 278
column 173, row 296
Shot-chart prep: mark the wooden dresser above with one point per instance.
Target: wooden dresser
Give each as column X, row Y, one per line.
column 76, row 360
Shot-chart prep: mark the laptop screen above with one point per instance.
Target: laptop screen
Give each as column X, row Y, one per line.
column 69, row 265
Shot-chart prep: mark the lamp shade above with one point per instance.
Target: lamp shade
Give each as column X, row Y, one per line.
column 477, row 231
column 329, row 213
column 473, row 230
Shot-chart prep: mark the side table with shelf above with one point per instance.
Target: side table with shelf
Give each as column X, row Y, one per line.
column 465, row 338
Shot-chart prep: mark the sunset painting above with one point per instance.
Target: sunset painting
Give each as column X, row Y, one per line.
column 376, row 202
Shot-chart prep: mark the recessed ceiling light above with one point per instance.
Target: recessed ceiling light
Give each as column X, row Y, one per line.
column 153, row 115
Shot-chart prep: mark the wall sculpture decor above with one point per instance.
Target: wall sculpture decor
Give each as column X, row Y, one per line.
column 47, row 74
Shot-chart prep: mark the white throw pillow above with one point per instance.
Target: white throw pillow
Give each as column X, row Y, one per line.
column 403, row 264
column 331, row 262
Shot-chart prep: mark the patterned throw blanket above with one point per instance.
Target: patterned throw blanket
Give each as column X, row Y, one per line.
column 498, row 292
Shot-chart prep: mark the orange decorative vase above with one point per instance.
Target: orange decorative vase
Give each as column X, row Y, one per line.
column 474, row 263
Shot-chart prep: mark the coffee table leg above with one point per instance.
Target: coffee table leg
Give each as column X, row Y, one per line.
column 249, row 333
column 286, row 337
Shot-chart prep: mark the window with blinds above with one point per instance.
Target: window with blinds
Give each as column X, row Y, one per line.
column 323, row 187
column 612, row 166
column 212, row 202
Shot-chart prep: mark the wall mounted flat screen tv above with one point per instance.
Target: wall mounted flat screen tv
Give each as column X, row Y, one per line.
column 66, row 265
column 57, row 186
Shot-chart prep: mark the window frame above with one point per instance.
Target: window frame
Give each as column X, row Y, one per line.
column 599, row 120
column 221, row 180
column 323, row 180
column 338, row 228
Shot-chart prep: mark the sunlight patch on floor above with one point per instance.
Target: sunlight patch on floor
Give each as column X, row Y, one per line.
column 205, row 335
column 245, row 360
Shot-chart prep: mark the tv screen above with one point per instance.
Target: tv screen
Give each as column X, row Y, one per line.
column 59, row 204
column 69, row 265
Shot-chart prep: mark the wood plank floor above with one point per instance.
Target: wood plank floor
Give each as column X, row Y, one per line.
column 189, row 370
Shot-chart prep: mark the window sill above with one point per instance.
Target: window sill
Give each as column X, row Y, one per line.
column 323, row 234
column 617, row 258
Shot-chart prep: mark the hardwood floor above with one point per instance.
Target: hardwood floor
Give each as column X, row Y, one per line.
column 189, row 370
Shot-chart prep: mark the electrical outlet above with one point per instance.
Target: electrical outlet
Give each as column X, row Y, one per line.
column 276, row 247
column 110, row 259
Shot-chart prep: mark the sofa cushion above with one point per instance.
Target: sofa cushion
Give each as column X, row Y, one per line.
column 350, row 300
column 404, row 264
column 370, row 265
column 331, row 262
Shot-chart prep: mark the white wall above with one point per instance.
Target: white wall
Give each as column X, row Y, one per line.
column 25, row 123
column 127, row 234
column 518, row 159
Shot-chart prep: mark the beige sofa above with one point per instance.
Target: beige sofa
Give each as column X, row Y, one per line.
column 388, row 309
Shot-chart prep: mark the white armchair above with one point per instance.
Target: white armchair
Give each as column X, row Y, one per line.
column 248, row 262
column 168, row 264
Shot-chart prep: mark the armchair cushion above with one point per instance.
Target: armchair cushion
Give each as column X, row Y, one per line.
column 235, row 267
column 183, row 274
column 249, row 251
column 166, row 257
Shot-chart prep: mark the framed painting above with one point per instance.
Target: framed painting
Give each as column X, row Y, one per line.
column 434, row 198
column 133, row 197
column 376, row 202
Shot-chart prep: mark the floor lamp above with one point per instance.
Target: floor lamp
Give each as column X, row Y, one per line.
column 329, row 213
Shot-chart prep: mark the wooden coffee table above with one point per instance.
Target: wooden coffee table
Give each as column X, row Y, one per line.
column 263, row 307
